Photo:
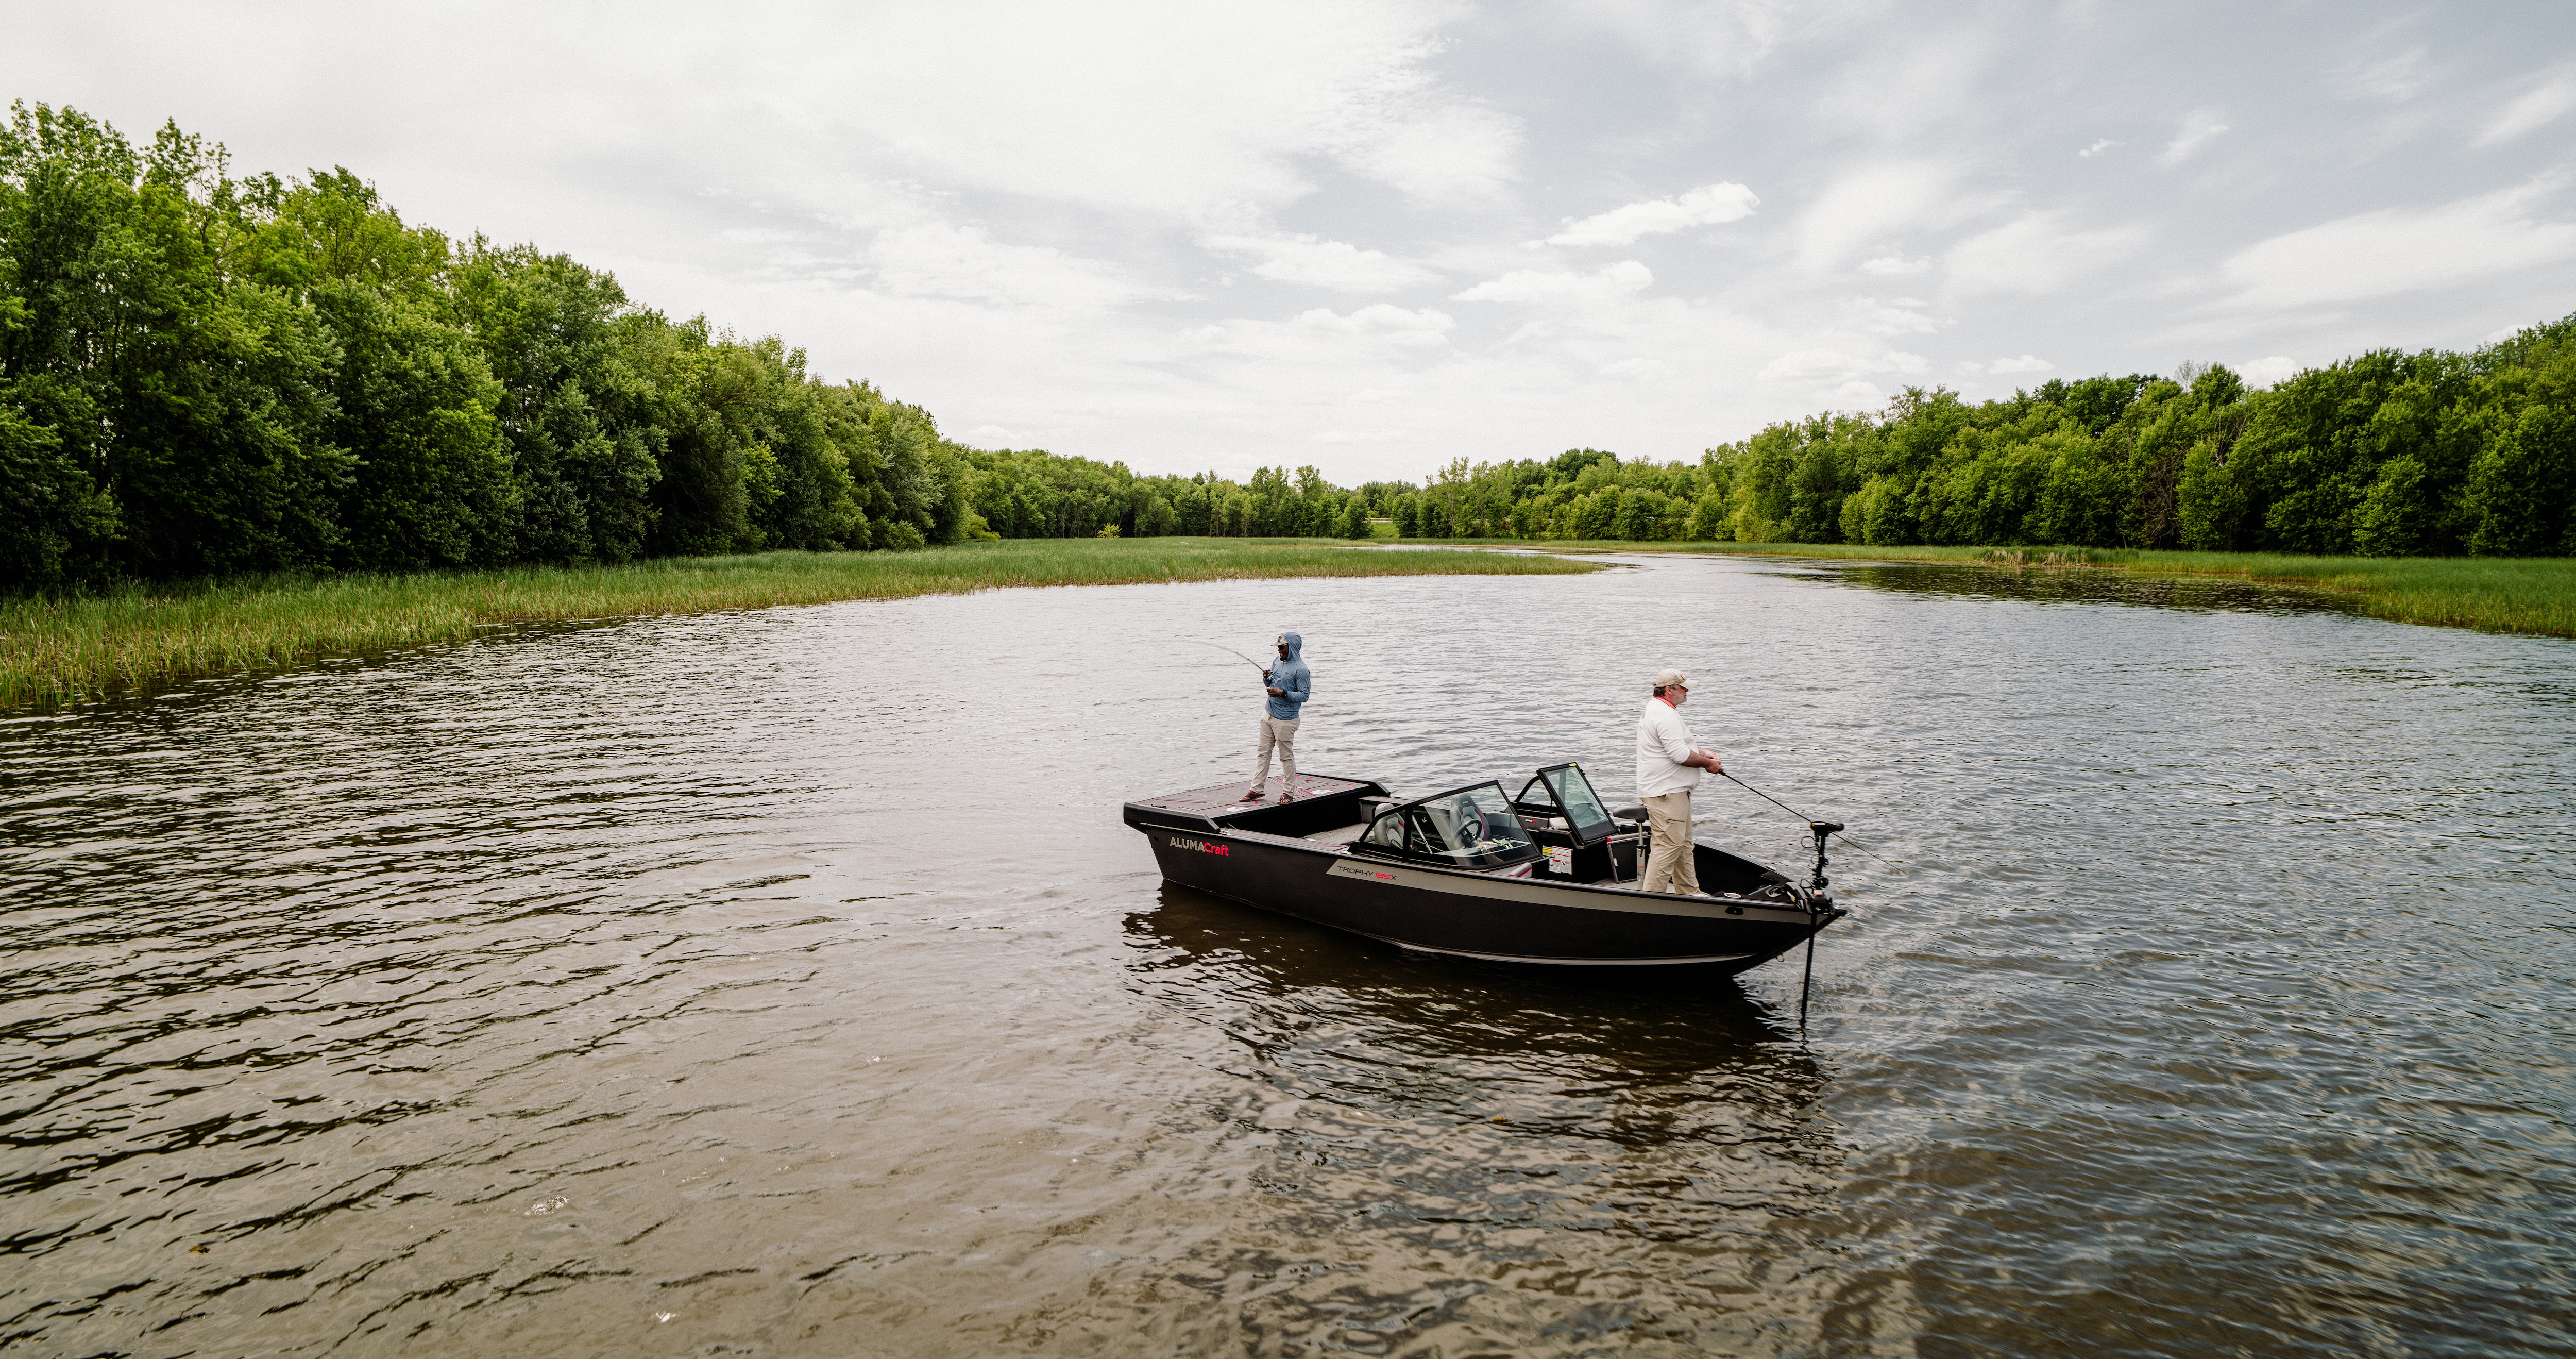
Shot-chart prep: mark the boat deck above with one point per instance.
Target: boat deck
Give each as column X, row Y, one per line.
column 1218, row 801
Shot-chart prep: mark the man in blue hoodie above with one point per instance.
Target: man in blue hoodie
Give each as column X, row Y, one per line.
column 1289, row 685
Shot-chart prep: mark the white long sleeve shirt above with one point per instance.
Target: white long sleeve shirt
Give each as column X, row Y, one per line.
column 1663, row 742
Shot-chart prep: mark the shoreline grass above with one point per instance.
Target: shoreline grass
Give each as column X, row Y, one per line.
column 61, row 649
column 2535, row 595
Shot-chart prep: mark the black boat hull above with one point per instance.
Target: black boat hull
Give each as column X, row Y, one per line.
column 1534, row 919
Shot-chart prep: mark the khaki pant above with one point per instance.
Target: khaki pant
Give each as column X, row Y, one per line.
column 1672, row 867
column 1283, row 735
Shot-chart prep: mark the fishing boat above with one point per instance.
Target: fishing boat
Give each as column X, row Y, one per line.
column 1546, row 875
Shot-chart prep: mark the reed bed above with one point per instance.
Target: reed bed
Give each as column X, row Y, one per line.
column 63, row 648
column 2490, row 594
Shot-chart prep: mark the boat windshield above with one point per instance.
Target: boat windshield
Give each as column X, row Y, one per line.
column 1472, row 827
column 1572, row 793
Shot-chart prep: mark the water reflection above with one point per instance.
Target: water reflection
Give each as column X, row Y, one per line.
column 1464, row 1113
column 2091, row 586
column 1644, row 1035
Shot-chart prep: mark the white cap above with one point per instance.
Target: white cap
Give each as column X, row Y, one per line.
column 1665, row 679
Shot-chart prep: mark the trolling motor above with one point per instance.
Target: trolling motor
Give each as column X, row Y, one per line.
column 1815, row 883
column 1822, row 829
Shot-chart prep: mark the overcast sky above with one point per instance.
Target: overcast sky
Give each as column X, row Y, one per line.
column 1376, row 236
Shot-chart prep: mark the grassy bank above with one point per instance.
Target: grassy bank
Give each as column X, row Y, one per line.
column 2491, row 594
column 56, row 649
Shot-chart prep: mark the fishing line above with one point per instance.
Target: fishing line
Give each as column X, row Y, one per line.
column 1847, row 838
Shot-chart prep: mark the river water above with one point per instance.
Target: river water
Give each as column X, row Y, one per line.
column 783, row 983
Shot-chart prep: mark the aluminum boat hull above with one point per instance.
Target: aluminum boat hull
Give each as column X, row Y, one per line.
column 1268, row 856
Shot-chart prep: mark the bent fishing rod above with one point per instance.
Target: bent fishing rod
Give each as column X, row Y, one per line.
column 1822, row 828
column 1247, row 660
column 1807, row 982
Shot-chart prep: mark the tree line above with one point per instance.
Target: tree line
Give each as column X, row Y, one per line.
column 2385, row 454
column 209, row 376
column 202, row 375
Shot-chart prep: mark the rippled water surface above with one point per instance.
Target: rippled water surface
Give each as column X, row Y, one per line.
column 783, row 983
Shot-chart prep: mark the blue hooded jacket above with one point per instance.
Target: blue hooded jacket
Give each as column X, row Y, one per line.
column 1291, row 677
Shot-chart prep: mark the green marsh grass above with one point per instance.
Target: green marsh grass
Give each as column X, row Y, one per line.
column 58, row 649
column 2491, row 594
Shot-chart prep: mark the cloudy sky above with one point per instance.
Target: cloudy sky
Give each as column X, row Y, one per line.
column 1376, row 236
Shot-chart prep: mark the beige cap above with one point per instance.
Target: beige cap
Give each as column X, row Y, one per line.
column 1665, row 679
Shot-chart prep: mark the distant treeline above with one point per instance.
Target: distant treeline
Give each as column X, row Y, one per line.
column 1035, row 494
column 2387, row 454
column 209, row 376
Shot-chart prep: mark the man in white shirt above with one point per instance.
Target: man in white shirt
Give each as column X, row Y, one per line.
column 1668, row 768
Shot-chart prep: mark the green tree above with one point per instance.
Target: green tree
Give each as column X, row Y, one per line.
column 574, row 409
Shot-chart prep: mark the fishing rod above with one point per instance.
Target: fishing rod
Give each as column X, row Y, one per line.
column 1247, row 660
column 1807, row 983
column 1811, row 821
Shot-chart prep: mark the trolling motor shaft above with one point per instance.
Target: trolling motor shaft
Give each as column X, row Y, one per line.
column 1822, row 829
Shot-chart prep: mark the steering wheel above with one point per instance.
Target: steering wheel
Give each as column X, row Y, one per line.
column 1472, row 827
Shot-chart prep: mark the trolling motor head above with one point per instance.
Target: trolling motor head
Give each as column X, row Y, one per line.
column 1822, row 829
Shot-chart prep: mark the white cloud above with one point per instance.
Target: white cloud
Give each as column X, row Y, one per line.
column 1382, row 323
column 2265, row 372
column 1453, row 153
column 1897, row 318
column 1872, row 204
column 2538, row 106
column 1815, row 367
column 2098, row 148
column 1318, row 263
column 1141, row 104
column 1368, row 342
column 935, row 259
column 1895, row 265
column 2037, row 255
column 2196, row 131
column 1363, row 436
column 1708, row 205
column 1894, row 92
column 2394, row 77
column 1719, row 37
column 1539, row 285
column 2027, row 363
column 1637, row 366
column 2396, row 250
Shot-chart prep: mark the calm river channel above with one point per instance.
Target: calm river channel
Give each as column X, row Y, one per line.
column 783, row 983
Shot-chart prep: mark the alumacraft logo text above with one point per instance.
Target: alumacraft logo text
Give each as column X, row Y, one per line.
column 1202, row 846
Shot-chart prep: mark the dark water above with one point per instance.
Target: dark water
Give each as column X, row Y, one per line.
column 782, row 983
